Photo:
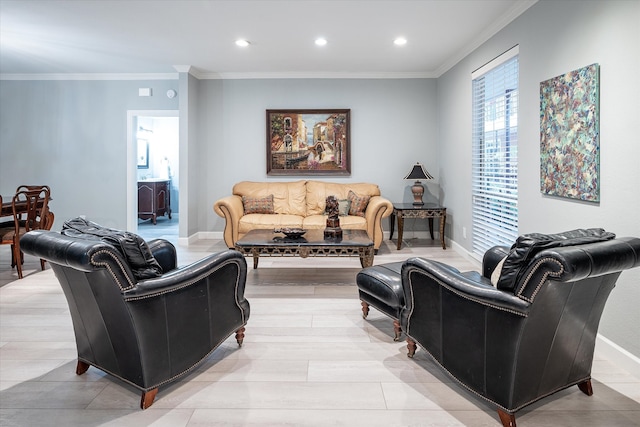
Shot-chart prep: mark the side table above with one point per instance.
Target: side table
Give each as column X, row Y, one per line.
column 409, row 210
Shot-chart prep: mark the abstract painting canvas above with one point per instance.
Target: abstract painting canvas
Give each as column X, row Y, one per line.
column 570, row 135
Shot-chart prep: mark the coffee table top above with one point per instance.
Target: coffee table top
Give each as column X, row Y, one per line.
column 267, row 238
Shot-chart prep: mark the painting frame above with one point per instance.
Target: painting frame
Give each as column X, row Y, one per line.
column 570, row 135
column 308, row 142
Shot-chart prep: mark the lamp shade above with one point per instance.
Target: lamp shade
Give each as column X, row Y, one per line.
column 418, row 172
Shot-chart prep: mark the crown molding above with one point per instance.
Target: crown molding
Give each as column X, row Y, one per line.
column 189, row 70
column 317, row 75
column 91, row 76
column 218, row 76
column 518, row 9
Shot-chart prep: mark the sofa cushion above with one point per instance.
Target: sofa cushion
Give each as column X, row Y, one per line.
column 528, row 245
column 268, row 222
column 343, row 207
column 133, row 248
column 263, row 205
column 288, row 197
column 358, row 203
column 317, row 192
column 319, row 222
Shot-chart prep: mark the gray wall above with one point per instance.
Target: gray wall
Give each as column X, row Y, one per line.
column 393, row 125
column 556, row 37
column 72, row 136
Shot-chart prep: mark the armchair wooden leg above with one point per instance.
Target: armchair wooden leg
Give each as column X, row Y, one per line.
column 365, row 309
column 507, row 420
column 586, row 387
column 397, row 330
column 411, row 347
column 81, row 367
column 240, row 336
column 147, row 398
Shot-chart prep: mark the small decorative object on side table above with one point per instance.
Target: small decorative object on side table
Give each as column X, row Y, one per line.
column 333, row 230
column 409, row 210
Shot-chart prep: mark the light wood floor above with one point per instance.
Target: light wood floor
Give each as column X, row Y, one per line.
column 308, row 359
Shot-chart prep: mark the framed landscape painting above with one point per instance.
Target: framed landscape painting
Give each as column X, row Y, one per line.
column 308, row 142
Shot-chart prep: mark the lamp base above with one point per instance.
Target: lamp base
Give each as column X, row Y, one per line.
column 418, row 191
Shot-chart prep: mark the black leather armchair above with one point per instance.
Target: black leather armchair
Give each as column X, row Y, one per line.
column 529, row 337
column 145, row 332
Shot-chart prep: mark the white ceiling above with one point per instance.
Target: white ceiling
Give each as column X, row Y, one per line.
column 153, row 37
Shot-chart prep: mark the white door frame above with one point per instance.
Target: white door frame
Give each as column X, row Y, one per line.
column 132, row 164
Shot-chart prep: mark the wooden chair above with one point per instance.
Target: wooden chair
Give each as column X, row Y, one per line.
column 30, row 212
column 33, row 188
column 49, row 217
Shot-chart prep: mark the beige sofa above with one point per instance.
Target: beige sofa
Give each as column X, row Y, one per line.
column 300, row 204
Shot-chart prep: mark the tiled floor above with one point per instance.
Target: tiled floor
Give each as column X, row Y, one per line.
column 308, row 359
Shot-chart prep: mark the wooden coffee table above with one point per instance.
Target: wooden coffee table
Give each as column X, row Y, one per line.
column 259, row 243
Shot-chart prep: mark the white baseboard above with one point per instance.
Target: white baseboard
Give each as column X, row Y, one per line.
column 607, row 349
column 465, row 253
column 200, row 235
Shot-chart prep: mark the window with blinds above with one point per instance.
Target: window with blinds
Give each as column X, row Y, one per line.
column 495, row 153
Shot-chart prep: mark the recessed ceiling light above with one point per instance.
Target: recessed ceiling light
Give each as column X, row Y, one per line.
column 242, row 43
column 321, row 42
column 400, row 41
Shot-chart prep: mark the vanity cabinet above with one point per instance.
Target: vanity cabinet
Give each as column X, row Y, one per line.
column 154, row 199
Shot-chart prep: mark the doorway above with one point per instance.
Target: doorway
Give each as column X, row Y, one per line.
column 153, row 170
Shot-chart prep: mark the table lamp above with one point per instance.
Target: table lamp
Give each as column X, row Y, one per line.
column 418, row 172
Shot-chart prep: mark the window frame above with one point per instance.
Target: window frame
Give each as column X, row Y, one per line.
column 494, row 158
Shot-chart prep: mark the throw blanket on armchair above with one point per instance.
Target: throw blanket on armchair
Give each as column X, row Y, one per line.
column 133, row 247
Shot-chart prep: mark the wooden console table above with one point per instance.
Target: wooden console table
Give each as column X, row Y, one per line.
column 409, row 210
column 154, row 199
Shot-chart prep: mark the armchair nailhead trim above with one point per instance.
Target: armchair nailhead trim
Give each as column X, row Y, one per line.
column 512, row 410
column 167, row 380
column 455, row 291
column 185, row 284
column 542, row 280
column 108, row 267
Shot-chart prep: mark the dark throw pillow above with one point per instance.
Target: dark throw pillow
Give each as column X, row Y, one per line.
column 262, row 205
column 358, row 203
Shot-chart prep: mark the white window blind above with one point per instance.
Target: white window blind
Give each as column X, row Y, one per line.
column 495, row 153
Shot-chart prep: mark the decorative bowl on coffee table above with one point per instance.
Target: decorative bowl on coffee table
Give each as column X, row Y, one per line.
column 292, row 233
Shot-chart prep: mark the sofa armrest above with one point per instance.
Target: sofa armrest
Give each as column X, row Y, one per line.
column 231, row 209
column 378, row 208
